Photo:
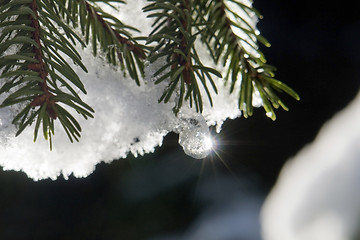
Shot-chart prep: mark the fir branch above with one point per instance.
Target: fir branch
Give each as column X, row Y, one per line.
column 173, row 27
column 46, row 97
column 240, row 54
column 110, row 33
column 35, row 42
column 32, row 68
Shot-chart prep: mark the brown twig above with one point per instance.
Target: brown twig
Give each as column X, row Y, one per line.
column 178, row 58
column 139, row 52
column 40, row 67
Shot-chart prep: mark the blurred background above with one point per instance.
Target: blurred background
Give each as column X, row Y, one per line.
column 167, row 195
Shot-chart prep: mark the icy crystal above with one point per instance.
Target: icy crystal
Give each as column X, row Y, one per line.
column 194, row 136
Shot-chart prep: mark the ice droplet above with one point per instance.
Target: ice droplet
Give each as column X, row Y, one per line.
column 194, row 136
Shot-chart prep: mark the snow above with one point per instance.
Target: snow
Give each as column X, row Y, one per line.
column 317, row 195
column 128, row 118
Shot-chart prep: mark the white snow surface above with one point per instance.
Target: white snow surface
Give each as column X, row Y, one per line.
column 317, row 195
column 128, row 118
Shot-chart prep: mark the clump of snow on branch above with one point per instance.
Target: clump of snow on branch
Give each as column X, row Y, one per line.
column 317, row 195
column 128, row 118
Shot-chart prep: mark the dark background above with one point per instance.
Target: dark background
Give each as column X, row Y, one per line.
column 315, row 47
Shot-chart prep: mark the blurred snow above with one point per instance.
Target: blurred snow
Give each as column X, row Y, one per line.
column 128, row 118
column 317, row 195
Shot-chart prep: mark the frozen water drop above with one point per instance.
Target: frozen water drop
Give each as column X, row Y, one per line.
column 194, row 137
column 195, row 144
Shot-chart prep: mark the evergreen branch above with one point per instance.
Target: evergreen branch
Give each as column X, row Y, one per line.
column 35, row 44
column 232, row 39
column 31, row 66
column 110, row 33
column 172, row 32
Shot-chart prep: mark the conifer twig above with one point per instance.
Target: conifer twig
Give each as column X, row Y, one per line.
column 251, row 68
column 46, row 97
column 137, row 50
column 34, row 72
column 109, row 33
column 173, row 27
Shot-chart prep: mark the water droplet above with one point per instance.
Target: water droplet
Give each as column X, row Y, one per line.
column 194, row 137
